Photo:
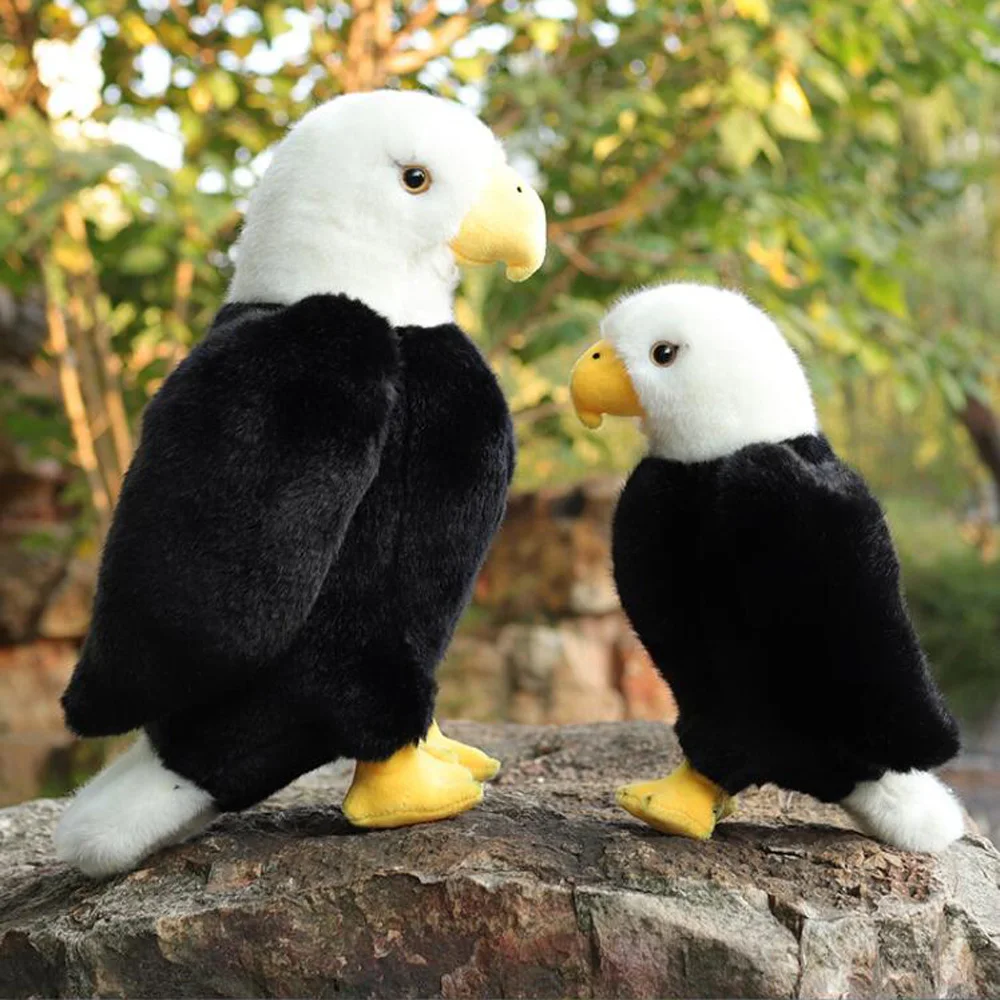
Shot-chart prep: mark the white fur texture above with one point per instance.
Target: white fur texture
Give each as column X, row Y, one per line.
column 330, row 214
column 132, row 808
column 914, row 811
column 735, row 382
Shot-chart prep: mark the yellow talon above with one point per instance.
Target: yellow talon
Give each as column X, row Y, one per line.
column 683, row 804
column 412, row 786
column 480, row 765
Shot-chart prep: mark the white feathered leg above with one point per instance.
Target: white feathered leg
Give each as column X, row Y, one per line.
column 912, row 810
column 134, row 806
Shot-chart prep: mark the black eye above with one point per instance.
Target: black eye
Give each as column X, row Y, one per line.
column 416, row 180
column 664, row 353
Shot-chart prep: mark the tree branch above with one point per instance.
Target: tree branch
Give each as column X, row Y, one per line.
column 442, row 39
column 632, row 203
column 423, row 18
column 579, row 260
column 69, row 384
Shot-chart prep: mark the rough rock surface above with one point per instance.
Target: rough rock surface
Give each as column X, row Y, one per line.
column 547, row 890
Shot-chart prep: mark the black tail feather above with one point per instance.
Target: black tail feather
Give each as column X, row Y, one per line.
column 91, row 710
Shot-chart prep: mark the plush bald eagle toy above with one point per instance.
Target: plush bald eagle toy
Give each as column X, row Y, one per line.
column 758, row 571
column 315, row 489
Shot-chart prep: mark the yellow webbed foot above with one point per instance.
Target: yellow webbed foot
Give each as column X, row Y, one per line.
column 412, row 786
column 479, row 764
column 683, row 804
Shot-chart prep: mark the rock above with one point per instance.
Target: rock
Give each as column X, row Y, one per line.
column 562, row 674
column 583, row 669
column 646, row 693
column 29, row 573
column 584, row 683
column 32, row 678
column 67, row 612
column 532, row 654
column 545, row 890
column 551, row 556
column 472, row 680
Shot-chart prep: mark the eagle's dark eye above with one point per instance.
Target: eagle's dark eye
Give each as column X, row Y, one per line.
column 664, row 353
column 416, row 180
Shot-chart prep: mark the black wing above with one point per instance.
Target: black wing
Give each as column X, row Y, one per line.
column 254, row 456
column 820, row 583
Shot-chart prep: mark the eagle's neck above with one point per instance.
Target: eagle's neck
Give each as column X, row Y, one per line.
column 287, row 263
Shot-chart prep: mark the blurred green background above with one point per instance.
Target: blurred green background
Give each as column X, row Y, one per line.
column 838, row 159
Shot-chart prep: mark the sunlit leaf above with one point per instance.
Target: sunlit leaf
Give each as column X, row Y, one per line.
column 754, row 10
column 789, row 123
column 743, row 138
column 606, row 145
column 136, row 31
column 545, row 34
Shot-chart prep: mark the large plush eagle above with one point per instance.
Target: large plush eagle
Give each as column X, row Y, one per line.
column 313, row 494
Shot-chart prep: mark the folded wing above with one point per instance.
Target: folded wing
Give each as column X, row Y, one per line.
column 823, row 590
column 254, row 456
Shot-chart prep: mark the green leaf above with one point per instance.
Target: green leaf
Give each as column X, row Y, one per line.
column 791, row 123
column 742, row 136
column 223, row 89
column 827, row 82
column 749, row 89
column 144, row 258
column 275, row 22
column 883, row 290
column 952, row 389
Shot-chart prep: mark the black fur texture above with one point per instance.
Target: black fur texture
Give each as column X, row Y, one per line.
column 301, row 526
column 766, row 588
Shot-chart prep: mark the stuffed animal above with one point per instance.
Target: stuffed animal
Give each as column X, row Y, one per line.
column 758, row 571
column 314, row 491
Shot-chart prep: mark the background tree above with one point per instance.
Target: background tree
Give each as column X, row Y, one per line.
column 812, row 151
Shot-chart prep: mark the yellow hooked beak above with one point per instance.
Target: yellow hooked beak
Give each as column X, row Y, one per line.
column 600, row 384
column 506, row 224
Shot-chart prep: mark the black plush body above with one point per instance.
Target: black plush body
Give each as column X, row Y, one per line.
column 765, row 586
column 298, row 533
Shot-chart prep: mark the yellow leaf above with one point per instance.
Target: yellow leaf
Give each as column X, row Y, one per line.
column 772, row 259
column 545, row 34
column 818, row 308
column 472, row 69
column 788, row 91
column 606, row 145
column 136, row 31
column 790, row 115
column 322, row 44
column 698, row 96
column 200, row 97
column 71, row 257
column 627, row 121
column 754, row 10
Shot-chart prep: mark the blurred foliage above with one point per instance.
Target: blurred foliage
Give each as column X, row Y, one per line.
column 835, row 157
column 954, row 598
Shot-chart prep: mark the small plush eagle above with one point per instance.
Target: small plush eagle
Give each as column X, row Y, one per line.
column 758, row 570
column 314, row 491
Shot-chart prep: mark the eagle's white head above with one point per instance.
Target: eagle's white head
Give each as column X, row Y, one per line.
column 377, row 195
column 707, row 371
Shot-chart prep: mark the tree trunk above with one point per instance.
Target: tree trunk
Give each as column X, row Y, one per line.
column 984, row 429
